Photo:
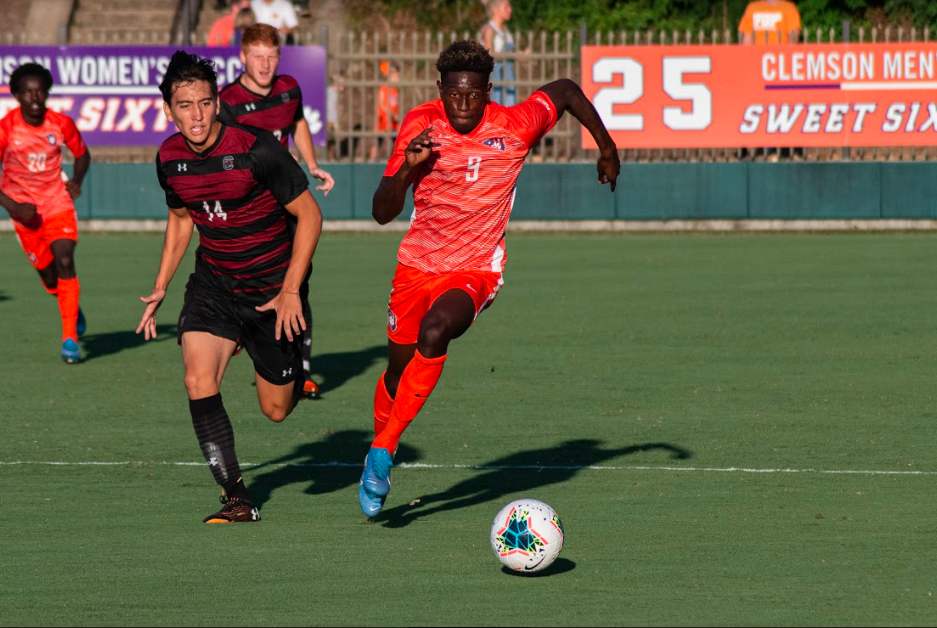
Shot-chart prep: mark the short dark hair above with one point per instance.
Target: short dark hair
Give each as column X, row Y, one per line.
column 187, row 68
column 30, row 69
column 465, row 56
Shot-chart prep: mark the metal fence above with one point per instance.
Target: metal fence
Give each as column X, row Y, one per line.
column 355, row 77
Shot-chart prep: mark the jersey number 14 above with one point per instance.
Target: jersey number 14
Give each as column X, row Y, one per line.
column 214, row 211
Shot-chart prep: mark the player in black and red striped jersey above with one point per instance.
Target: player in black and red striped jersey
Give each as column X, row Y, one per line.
column 237, row 185
column 260, row 97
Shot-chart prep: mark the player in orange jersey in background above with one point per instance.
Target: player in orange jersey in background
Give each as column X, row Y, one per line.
column 37, row 198
column 462, row 154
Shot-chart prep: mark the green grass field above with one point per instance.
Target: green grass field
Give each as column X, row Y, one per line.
column 736, row 430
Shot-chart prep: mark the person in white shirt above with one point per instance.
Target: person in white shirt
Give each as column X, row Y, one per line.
column 279, row 14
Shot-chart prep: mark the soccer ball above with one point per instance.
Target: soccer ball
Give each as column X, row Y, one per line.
column 527, row 535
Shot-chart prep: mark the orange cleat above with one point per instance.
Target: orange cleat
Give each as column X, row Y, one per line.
column 310, row 389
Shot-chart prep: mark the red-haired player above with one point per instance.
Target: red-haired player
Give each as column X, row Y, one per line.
column 260, row 97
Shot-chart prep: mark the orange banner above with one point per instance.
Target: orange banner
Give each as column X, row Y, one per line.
column 764, row 96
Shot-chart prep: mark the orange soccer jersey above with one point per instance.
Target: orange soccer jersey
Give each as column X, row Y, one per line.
column 464, row 193
column 32, row 160
column 770, row 22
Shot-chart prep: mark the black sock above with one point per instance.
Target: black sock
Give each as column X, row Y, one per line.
column 298, row 391
column 307, row 340
column 216, row 438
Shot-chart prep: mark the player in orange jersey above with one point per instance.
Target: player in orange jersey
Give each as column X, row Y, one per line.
column 462, row 154
column 37, row 198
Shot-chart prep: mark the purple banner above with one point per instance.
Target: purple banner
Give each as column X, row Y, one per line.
column 112, row 92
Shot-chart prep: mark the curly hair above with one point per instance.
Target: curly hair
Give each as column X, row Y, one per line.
column 30, row 69
column 187, row 68
column 465, row 56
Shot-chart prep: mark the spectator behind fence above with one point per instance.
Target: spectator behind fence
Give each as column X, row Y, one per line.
column 498, row 39
column 388, row 105
column 279, row 14
column 770, row 22
column 244, row 20
column 333, row 104
column 223, row 28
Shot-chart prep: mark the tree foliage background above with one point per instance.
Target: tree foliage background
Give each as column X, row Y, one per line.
column 617, row 15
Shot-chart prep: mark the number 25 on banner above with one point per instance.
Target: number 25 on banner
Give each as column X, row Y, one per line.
column 679, row 87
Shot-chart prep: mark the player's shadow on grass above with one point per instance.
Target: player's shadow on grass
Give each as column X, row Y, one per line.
column 4, row 296
column 522, row 472
column 332, row 370
column 323, row 464
column 100, row 345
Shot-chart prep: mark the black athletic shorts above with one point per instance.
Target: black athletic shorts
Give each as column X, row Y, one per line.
column 208, row 308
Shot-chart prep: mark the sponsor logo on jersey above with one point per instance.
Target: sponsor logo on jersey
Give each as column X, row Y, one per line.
column 228, row 162
column 285, row 96
column 495, row 142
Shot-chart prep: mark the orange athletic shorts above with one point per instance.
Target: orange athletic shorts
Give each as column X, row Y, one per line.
column 35, row 242
column 414, row 293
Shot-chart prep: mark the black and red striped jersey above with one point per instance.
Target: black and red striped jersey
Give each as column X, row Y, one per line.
column 235, row 192
column 278, row 111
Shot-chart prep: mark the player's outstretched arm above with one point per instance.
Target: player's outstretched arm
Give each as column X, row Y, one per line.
column 175, row 244
column 73, row 185
column 567, row 96
column 287, row 305
column 392, row 191
column 302, row 136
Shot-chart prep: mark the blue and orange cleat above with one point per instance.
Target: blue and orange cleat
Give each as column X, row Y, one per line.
column 375, row 481
column 82, row 325
column 70, row 352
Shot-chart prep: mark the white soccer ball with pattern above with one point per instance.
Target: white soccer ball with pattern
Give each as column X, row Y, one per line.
column 527, row 535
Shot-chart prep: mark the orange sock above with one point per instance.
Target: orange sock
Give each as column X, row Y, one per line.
column 53, row 291
column 69, row 292
column 383, row 403
column 416, row 384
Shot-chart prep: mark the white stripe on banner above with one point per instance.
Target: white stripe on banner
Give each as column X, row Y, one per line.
column 101, row 90
column 887, row 86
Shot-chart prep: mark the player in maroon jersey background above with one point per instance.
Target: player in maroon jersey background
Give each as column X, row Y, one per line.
column 260, row 97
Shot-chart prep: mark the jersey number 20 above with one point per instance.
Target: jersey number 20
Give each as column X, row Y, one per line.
column 37, row 162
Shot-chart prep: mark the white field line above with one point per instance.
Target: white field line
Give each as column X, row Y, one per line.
column 480, row 467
